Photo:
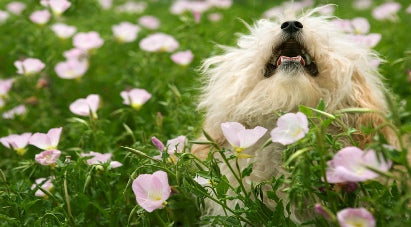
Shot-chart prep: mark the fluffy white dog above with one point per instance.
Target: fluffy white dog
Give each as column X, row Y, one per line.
column 279, row 66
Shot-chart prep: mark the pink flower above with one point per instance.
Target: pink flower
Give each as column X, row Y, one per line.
column 29, row 66
column 322, row 211
column 239, row 137
column 99, row 158
column 408, row 10
column 57, row 6
column 76, row 54
column 5, row 86
column 274, row 13
column 125, row 32
column 47, row 141
column 87, row 41
column 63, row 31
column 387, row 11
column 149, row 22
column 16, row 7
column 17, row 142
column 40, row 17
column 176, row 145
column 157, row 143
column 202, row 181
column 105, row 4
column 350, row 165
column 132, row 7
column 44, row 184
column 135, row 97
column 290, row 128
column 16, row 111
column 4, row 15
column 48, row 157
column 87, row 106
column 182, row 57
column 355, row 217
column 180, row 7
column 173, row 146
column 152, row 190
column 71, row 69
column 327, row 10
column 343, row 25
column 360, row 25
column 362, row 4
column 159, row 42
column 375, row 63
column 370, row 40
column 220, row 3
column 215, row 17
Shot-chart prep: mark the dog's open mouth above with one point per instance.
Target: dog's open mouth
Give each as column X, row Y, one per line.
column 290, row 55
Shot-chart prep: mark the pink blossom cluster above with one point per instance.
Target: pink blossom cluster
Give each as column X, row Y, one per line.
column 197, row 8
column 160, row 42
column 57, row 7
column 358, row 29
column 48, row 143
column 96, row 158
column 290, row 128
column 76, row 64
column 45, row 141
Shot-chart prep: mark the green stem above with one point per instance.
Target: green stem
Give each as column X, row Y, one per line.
column 234, row 174
column 223, row 205
column 160, row 219
column 67, row 198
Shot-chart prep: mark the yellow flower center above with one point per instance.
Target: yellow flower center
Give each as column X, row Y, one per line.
column 21, row 151
column 136, row 106
column 357, row 222
column 155, row 195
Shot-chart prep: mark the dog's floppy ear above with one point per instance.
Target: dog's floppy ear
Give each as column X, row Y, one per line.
column 368, row 92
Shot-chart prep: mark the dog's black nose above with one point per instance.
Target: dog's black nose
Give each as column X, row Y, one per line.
column 291, row 26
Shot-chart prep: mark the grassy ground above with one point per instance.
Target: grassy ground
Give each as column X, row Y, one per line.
column 105, row 197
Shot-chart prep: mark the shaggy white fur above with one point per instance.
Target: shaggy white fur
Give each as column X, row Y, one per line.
column 238, row 86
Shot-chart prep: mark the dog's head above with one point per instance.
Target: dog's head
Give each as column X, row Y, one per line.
column 281, row 65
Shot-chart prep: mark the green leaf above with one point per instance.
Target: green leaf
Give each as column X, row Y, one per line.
column 321, row 105
column 305, row 110
column 247, row 171
column 222, row 187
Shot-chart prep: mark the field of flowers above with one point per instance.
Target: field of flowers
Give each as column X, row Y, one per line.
column 98, row 113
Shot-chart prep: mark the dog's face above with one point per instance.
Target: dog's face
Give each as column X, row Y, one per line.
column 284, row 64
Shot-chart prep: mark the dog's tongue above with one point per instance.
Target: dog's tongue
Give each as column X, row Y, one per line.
column 298, row 58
